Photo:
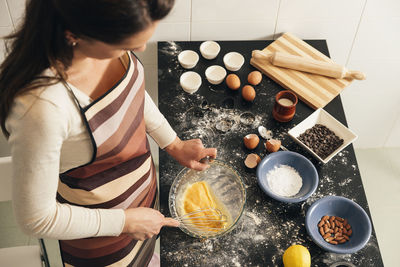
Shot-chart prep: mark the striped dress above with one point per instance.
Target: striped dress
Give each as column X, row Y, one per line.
column 120, row 175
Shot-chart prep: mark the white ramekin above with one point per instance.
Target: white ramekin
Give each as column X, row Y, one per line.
column 215, row 74
column 190, row 81
column 209, row 49
column 188, row 59
column 233, row 61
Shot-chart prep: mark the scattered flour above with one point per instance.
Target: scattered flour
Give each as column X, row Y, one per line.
column 256, row 219
column 345, row 182
column 284, row 180
column 173, row 49
column 209, row 123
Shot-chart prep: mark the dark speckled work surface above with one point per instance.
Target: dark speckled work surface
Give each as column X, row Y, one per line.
column 267, row 227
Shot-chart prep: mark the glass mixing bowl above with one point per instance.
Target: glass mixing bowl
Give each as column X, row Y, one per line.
column 227, row 186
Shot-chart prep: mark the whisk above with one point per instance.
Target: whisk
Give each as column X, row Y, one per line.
column 206, row 219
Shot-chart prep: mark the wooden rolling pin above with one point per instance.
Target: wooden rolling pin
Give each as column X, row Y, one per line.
column 308, row 65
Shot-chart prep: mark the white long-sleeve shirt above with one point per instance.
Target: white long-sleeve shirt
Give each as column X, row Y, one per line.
column 48, row 137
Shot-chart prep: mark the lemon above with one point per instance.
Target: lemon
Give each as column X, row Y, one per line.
column 296, row 256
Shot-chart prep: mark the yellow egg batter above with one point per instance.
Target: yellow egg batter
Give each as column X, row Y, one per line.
column 199, row 196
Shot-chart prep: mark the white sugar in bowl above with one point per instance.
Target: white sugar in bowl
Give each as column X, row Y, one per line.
column 215, row 74
column 188, row 59
column 233, row 61
column 209, row 49
column 190, row 81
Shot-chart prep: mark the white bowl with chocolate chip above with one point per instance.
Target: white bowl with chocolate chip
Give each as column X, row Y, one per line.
column 306, row 135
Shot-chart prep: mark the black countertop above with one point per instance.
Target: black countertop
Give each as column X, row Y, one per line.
column 267, row 227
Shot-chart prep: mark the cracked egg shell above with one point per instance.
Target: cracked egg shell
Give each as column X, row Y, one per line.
column 252, row 161
column 273, row 145
column 251, row 141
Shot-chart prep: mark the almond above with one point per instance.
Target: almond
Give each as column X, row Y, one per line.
column 334, row 230
column 321, row 231
column 325, row 236
column 349, row 232
column 326, row 217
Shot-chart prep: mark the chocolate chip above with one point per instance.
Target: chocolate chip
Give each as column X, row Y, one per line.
column 321, row 140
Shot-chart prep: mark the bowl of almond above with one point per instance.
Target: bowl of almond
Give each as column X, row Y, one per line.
column 338, row 224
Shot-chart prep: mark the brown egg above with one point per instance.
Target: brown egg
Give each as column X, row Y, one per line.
column 251, row 141
column 254, row 78
column 273, row 145
column 252, row 161
column 232, row 81
column 248, row 93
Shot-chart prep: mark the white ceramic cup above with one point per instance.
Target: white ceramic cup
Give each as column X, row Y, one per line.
column 215, row 74
column 188, row 59
column 209, row 49
column 190, row 81
column 233, row 61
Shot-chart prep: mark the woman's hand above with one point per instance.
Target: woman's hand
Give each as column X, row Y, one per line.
column 143, row 223
column 190, row 152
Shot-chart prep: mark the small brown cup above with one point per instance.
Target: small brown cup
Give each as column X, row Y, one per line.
column 282, row 112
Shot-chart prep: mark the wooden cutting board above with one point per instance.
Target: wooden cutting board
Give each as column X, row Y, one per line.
column 315, row 90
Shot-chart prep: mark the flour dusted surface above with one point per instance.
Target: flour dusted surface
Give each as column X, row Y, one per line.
column 284, row 180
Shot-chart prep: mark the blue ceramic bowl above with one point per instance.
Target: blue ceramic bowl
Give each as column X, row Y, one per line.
column 300, row 163
column 346, row 209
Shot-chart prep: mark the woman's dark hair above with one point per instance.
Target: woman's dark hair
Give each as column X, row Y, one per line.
column 40, row 43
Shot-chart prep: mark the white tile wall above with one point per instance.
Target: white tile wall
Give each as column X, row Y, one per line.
column 394, row 133
column 234, row 10
column 176, row 26
column 166, row 31
column 233, row 30
column 5, row 18
column 382, row 9
column 369, row 114
column 181, row 12
column 377, row 39
column 233, row 20
column 3, row 32
column 361, row 33
column 339, row 39
column 4, row 149
column 321, row 9
column 373, row 105
column 335, row 21
column 17, row 9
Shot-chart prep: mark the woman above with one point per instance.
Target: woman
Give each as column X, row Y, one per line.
column 76, row 113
